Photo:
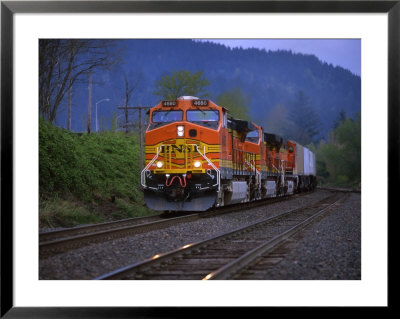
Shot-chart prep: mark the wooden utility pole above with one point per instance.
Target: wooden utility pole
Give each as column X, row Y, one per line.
column 139, row 108
column 69, row 102
column 126, row 122
column 90, row 101
column 140, row 139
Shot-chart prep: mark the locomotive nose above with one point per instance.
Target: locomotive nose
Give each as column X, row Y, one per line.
column 180, row 156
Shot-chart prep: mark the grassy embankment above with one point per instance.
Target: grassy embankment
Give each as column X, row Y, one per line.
column 87, row 178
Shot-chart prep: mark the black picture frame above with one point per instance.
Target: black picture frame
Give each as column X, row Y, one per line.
column 9, row 8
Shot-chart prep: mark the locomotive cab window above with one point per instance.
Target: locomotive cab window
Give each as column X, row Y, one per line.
column 252, row 136
column 207, row 118
column 161, row 118
column 166, row 116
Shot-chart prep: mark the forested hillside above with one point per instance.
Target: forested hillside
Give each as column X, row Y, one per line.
column 271, row 80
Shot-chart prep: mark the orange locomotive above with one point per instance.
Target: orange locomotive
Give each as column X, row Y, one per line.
column 197, row 157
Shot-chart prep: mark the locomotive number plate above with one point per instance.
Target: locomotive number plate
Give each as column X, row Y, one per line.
column 168, row 103
column 200, row 102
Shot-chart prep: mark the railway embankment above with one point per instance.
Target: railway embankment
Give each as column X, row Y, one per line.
column 87, row 178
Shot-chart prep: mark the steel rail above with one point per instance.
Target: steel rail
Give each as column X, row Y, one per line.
column 61, row 245
column 339, row 189
column 80, row 230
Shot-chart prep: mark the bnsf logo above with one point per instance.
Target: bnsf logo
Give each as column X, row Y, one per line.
column 176, row 148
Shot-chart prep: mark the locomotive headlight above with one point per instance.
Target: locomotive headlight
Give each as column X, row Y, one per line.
column 197, row 164
column 159, row 164
column 180, row 130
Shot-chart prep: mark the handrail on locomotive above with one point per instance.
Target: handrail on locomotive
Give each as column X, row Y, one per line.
column 195, row 146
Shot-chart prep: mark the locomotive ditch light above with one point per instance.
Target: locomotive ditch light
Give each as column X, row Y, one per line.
column 180, row 130
column 159, row 164
column 197, row 164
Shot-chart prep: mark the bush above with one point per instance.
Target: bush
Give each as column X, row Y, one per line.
column 91, row 168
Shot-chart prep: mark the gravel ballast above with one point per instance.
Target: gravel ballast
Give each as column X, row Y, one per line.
column 330, row 249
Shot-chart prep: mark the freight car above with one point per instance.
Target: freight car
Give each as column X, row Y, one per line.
column 198, row 156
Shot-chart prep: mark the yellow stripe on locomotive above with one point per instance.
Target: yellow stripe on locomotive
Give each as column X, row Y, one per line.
column 181, row 156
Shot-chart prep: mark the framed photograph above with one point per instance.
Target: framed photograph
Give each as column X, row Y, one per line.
column 375, row 24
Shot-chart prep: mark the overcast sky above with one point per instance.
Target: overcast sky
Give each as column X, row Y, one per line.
column 338, row 52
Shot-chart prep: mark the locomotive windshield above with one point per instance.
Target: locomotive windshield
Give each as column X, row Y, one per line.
column 252, row 136
column 208, row 118
column 209, row 115
column 166, row 116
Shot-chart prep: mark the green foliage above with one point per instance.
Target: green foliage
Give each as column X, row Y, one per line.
column 339, row 159
column 92, row 168
column 348, row 135
column 236, row 103
column 180, row 83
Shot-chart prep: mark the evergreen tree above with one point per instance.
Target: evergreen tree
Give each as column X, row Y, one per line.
column 348, row 135
column 340, row 119
column 304, row 121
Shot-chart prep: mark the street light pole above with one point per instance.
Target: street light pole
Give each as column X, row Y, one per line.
column 96, row 111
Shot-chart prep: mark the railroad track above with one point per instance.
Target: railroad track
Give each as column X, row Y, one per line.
column 339, row 189
column 56, row 242
column 222, row 257
column 90, row 229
